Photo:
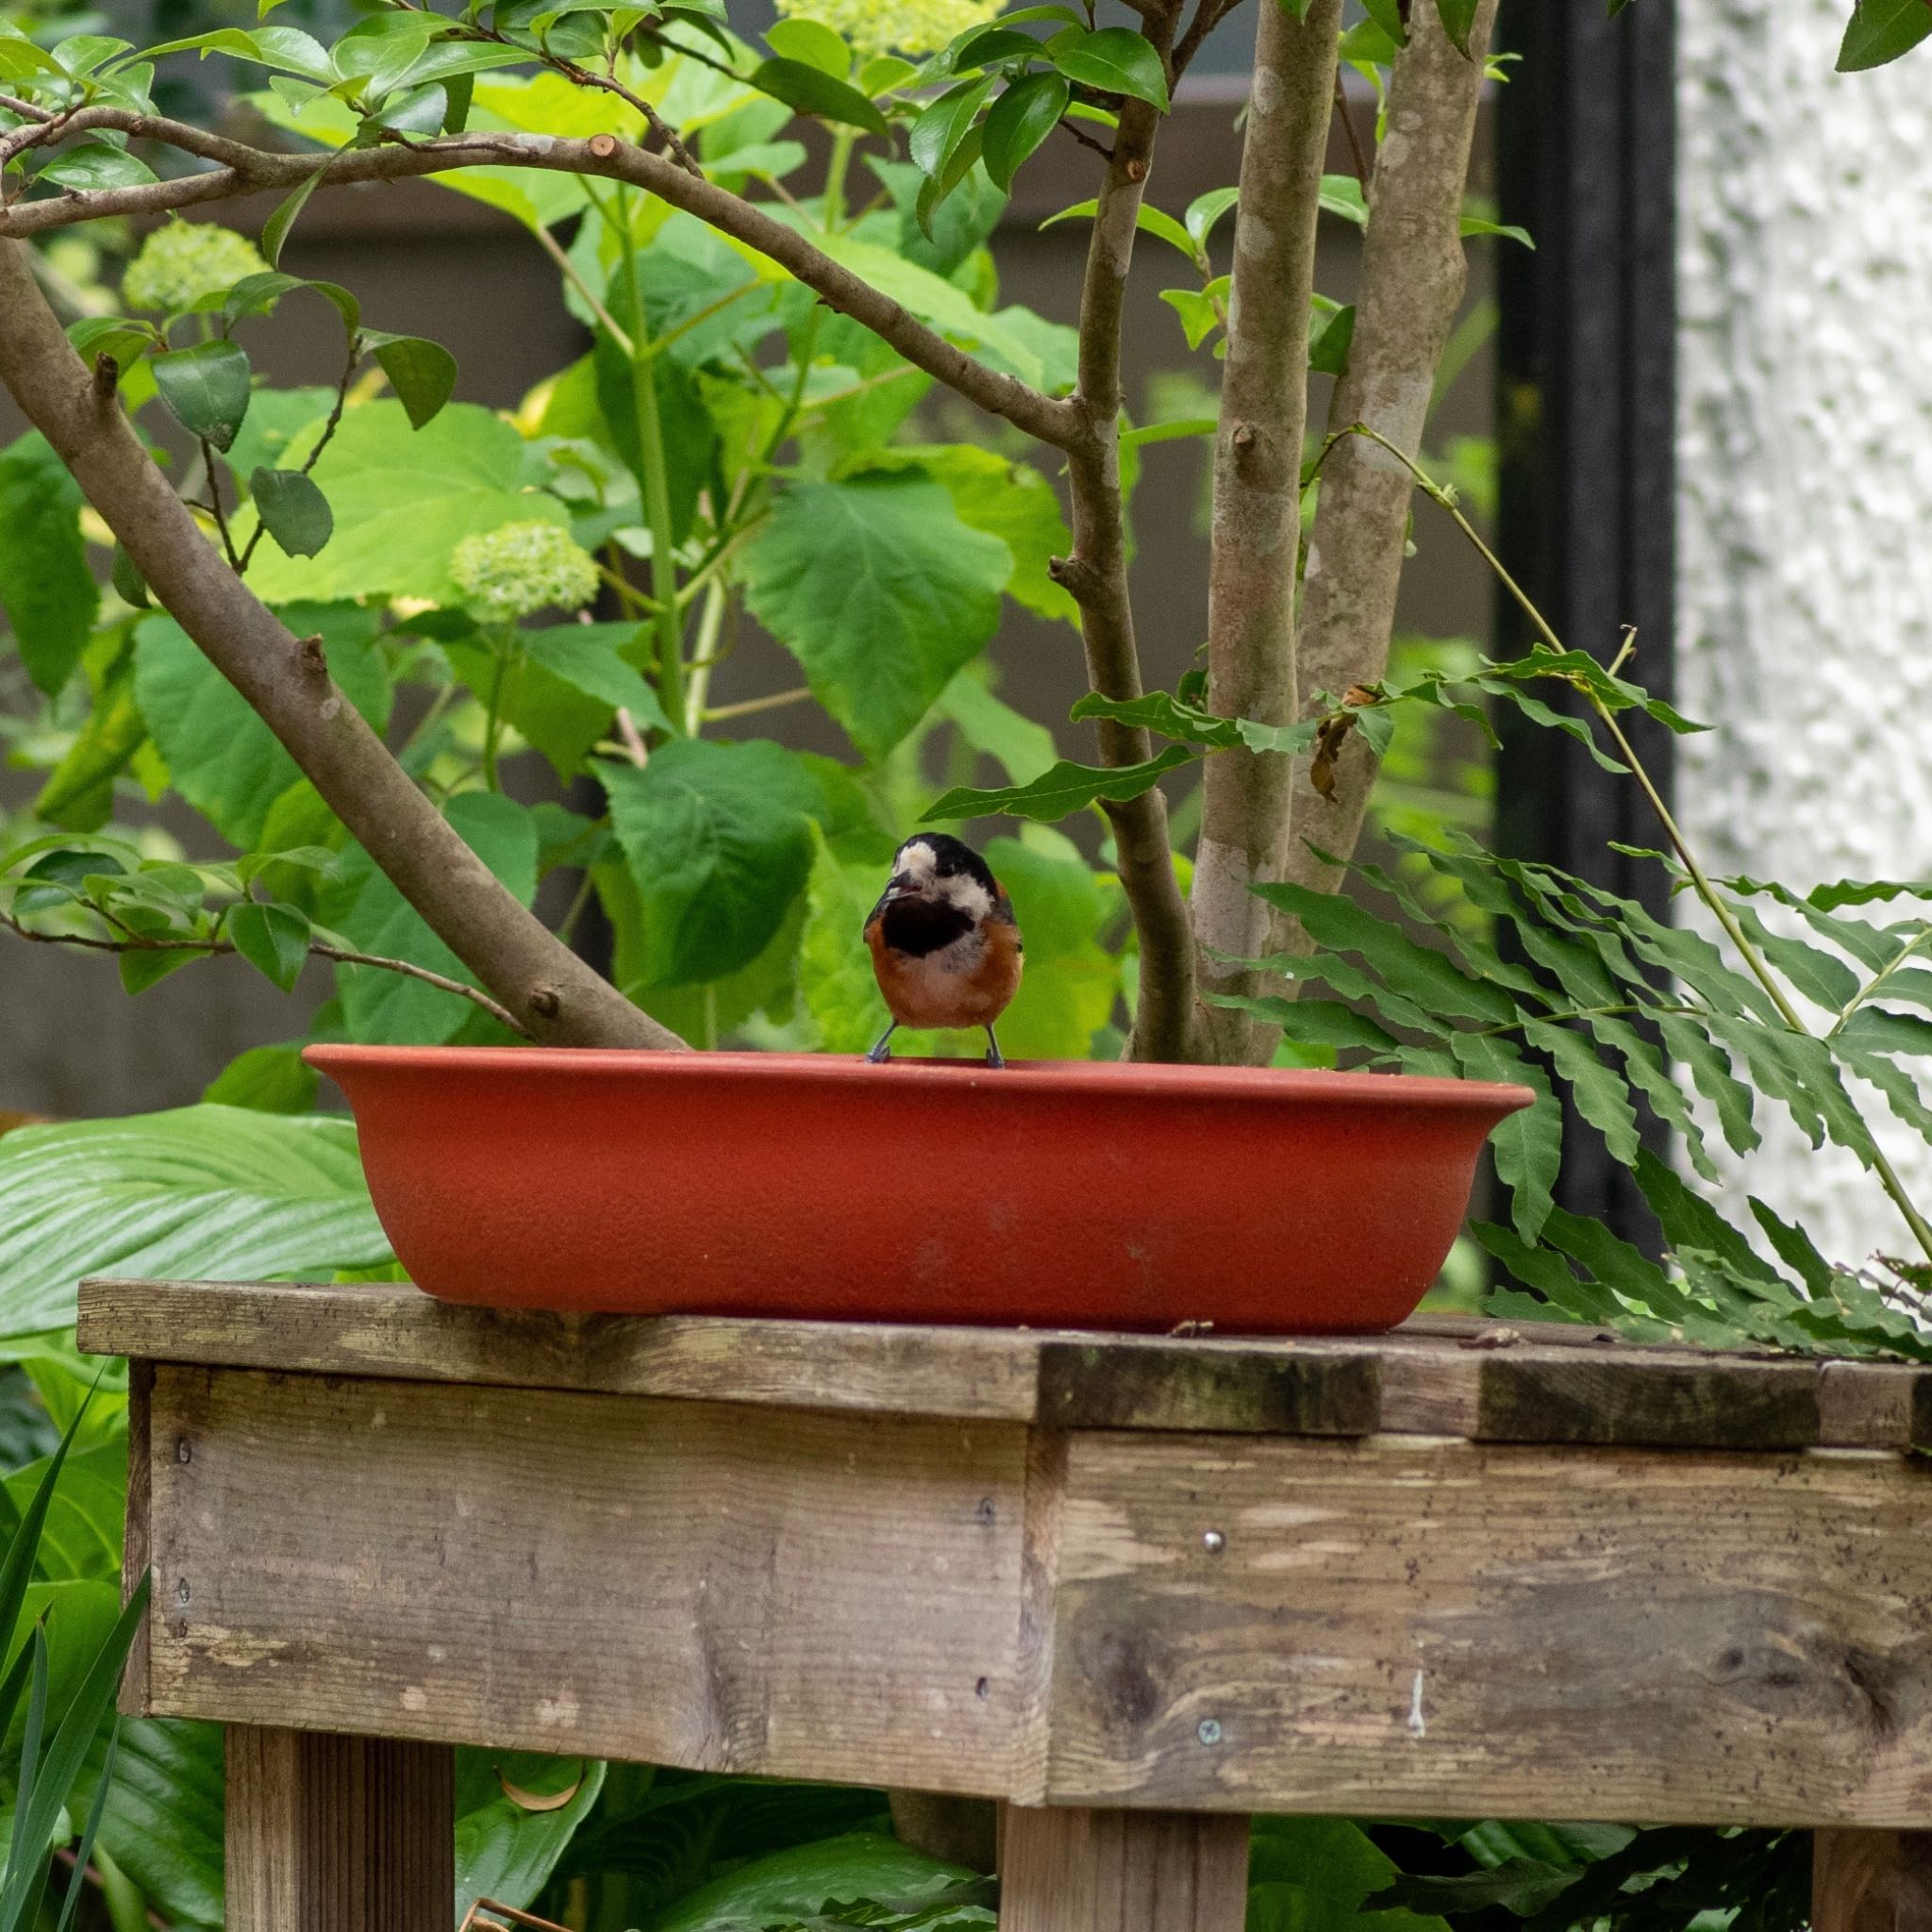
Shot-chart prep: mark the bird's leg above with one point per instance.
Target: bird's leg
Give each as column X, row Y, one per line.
column 883, row 1052
column 994, row 1058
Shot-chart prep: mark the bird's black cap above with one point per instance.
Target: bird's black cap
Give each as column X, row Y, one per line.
column 953, row 856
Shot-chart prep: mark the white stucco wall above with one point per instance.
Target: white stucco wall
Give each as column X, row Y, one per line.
column 1805, row 449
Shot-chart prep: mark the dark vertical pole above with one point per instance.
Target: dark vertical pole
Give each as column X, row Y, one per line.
column 1586, row 137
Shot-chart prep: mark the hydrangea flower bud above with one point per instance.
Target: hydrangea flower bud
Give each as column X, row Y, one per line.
column 182, row 261
column 899, row 27
column 520, row 569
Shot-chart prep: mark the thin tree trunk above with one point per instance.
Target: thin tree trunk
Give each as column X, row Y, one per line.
column 1256, row 530
column 552, row 993
column 1414, row 277
column 1096, row 576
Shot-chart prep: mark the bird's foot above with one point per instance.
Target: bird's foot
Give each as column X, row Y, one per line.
column 879, row 1054
column 994, row 1058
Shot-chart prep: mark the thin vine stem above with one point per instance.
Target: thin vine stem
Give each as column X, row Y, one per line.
column 1759, row 968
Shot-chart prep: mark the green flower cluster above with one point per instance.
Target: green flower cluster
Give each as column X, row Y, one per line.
column 182, row 261
column 520, row 569
column 900, row 26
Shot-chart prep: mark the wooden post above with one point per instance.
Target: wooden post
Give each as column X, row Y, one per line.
column 336, row 1834
column 1073, row 1871
column 1872, row 1881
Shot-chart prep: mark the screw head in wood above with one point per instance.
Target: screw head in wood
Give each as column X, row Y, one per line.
column 1213, row 1541
column 1209, row 1730
column 183, row 1452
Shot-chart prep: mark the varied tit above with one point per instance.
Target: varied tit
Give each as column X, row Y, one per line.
column 943, row 943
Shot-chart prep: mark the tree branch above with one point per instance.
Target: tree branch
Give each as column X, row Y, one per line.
column 1257, row 529
column 249, row 171
column 1096, row 576
column 340, row 955
column 1414, row 277
column 553, row 994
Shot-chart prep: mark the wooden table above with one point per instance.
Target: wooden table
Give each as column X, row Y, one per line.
column 1136, row 1588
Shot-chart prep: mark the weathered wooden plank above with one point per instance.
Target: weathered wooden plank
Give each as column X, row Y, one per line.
column 1081, row 1871
column 722, row 1587
column 1616, row 1399
column 1872, row 1881
column 134, row 1545
column 1097, row 1384
column 1408, row 1626
column 392, row 1330
column 333, row 1834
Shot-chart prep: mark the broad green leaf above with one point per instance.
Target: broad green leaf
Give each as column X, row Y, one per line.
column 1880, row 31
column 1069, row 989
column 274, row 417
column 1311, row 1874
column 835, row 974
column 1204, row 210
column 209, row 1193
column 797, row 1884
column 1024, row 748
column 718, row 838
column 45, row 585
column 402, row 499
column 1199, row 316
column 275, row 231
column 273, row 939
column 381, row 48
column 164, row 1820
column 1006, row 498
column 504, row 1850
column 1457, row 17
column 1117, row 60
column 271, row 1079
column 1061, row 792
column 366, row 908
column 882, row 594
column 205, row 388
column 224, row 759
column 1529, row 1146
column 423, row 373
column 93, row 164
column 811, row 90
column 285, row 48
column 1146, row 218
column 296, row 512
column 802, row 38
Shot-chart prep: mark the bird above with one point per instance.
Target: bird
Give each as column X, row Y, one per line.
column 944, row 946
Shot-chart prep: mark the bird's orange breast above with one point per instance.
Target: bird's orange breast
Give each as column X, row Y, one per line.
column 942, row 990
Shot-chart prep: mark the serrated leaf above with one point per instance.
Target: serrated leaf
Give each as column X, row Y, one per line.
column 1600, row 1095
column 1063, row 789
column 205, row 388
column 273, row 939
column 1021, row 119
column 810, row 90
column 1529, row 1146
column 295, row 513
column 718, row 838
column 882, row 594
column 1116, row 61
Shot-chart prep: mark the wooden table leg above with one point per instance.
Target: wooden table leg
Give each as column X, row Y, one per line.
column 1872, row 1881
column 1070, row 1870
column 334, row 1834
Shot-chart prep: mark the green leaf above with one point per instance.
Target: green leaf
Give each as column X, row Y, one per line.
column 811, row 90
column 1021, row 118
column 224, row 759
column 1117, row 60
column 1199, row 316
column 275, row 231
column 718, row 839
column 423, row 373
column 882, row 594
column 93, row 164
column 295, row 511
column 1457, row 17
column 504, row 1850
column 209, row 1194
column 936, row 136
column 271, row 1079
column 1328, row 351
column 812, row 42
column 1600, row 1095
column 164, row 1820
column 1147, row 218
column 45, row 585
column 988, row 725
column 402, row 499
column 205, row 388
column 367, row 910
column 273, row 939
column 835, row 974
column 1529, row 1146
column 1881, row 30
column 1204, row 210
column 1059, row 793
column 797, row 1884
